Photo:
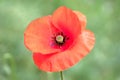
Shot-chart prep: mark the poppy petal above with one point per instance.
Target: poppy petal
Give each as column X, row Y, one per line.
column 37, row 36
column 66, row 20
column 66, row 59
column 82, row 19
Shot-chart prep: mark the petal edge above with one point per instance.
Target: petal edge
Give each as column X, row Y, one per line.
column 38, row 34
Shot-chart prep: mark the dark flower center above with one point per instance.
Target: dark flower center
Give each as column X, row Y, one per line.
column 59, row 39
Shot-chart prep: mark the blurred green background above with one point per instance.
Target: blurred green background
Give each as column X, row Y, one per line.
column 103, row 18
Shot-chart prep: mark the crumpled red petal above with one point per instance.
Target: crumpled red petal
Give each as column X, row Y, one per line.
column 64, row 60
column 37, row 36
column 66, row 20
column 82, row 19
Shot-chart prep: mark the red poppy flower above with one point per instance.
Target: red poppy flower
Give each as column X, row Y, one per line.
column 60, row 40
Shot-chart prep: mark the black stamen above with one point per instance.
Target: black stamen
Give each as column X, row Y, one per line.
column 65, row 38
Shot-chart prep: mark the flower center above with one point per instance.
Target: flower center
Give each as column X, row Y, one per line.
column 59, row 39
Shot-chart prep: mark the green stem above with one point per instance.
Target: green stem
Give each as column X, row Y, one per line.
column 8, row 58
column 61, row 75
